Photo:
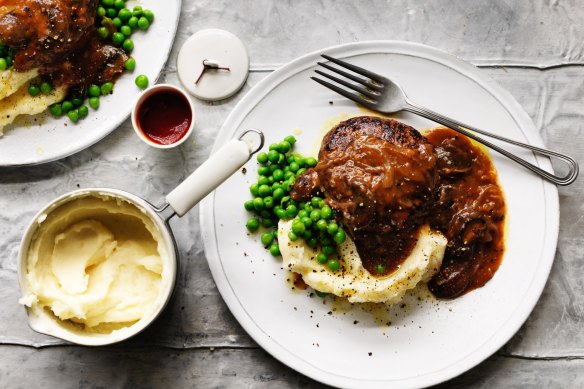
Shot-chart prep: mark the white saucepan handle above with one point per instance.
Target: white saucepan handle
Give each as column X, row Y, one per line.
column 209, row 175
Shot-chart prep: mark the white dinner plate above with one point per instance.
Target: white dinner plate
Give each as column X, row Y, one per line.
column 428, row 341
column 43, row 138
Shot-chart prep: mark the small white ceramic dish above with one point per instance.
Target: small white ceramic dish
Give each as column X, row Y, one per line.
column 143, row 97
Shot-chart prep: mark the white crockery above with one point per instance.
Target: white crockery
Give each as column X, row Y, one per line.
column 145, row 95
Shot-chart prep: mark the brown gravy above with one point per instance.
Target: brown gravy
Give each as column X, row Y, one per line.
column 385, row 180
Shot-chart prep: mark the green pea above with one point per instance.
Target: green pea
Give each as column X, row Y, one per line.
column 267, row 223
column 298, row 227
column 56, row 110
column 288, row 174
column 275, row 233
column 321, row 294
column 252, row 224
column 273, row 168
column 94, row 102
column 278, row 194
column 263, row 180
column 315, row 201
column 284, row 147
column 83, row 111
column 119, row 4
column 107, row 3
column 273, row 146
column 326, row 241
column 258, row 203
column 248, row 205
column 321, row 225
column 291, row 159
column 262, row 157
column 254, row 189
column 107, row 88
column 340, row 237
column 269, row 202
column 300, row 171
column 273, row 156
column 332, row 228
column 133, row 22
column 294, row 167
column 308, row 208
column 106, row 22
column 73, row 115
column 130, row 64
column 263, row 170
column 46, row 88
column 328, row 250
column 33, row 90
column 76, row 101
column 143, row 23
column 100, row 12
column 118, row 38
column 380, row 269
column 267, row 238
column 291, row 211
column 66, row 106
column 148, row 15
column 8, row 62
column 128, row 45
column 278, row 175
column 125, row 14
column 137, row 11
column 315, row 215
column 326, row 212
column 3, row 64
column 321, row 258
column 302, row 213
column 265, row 213
column 93, row 91
column 275, row 249
column 311, row 161
column 142, row 81
column 111, row 13
column 333, row 264
column 293, row 237
column 307, row 221
column 117, row 22
column 290, row 139
column 126, row 30
column 312, row 242
column 264, row 190
column 281, row 213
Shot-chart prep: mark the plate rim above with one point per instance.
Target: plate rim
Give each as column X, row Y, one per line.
column 116, row 123
column 516, row 112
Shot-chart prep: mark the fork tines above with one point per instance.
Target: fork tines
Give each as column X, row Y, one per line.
column 368, row 89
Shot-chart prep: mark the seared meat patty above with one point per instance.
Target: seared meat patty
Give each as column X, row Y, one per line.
column 380, row 176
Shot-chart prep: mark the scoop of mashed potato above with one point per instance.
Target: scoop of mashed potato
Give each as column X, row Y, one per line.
column 15, row 99
column 352, row 280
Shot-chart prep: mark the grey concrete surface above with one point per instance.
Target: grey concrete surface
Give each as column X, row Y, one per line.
column 535, row 50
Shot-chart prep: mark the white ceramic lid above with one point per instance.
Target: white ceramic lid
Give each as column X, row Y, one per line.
column 218, row 48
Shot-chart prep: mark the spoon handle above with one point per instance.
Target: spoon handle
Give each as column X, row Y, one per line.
column 470, row 131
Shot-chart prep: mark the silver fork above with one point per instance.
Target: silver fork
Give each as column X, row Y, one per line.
column 385, row 96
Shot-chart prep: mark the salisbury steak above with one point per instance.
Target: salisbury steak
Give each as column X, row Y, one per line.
column 380, row 176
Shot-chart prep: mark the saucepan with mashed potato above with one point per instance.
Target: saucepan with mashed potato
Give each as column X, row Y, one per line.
column 383, row 209
column 97, row 266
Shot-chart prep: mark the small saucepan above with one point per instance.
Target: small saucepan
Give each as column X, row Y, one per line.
column 63, row 249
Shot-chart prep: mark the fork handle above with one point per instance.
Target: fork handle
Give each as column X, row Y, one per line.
column 462, row 128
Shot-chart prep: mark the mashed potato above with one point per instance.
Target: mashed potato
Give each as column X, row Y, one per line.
column 15, row 99
column 352, row 280
column 96, row 264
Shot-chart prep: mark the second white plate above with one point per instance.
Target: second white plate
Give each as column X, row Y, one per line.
column 428, row 341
